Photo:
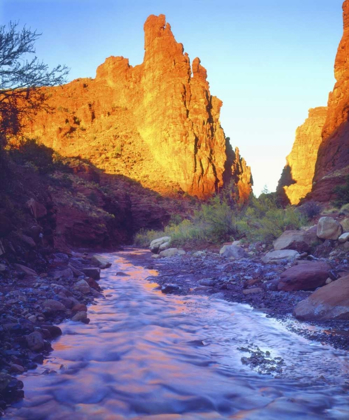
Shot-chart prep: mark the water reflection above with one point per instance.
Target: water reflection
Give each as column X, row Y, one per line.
column 149, row 355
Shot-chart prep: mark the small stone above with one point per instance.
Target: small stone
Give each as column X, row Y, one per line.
column 252, row 291
column 82, row 286
column 93, row 272
column 79, row 307
column 170, row 288
column 172, row 252
column 81, row 316
column 35, row 341
column 344, row 238
column 51, row 305
column 16, row 368
column 328, row 281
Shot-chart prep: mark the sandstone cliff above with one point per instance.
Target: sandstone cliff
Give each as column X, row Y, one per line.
column 333, row 158
column 156, row 122
column 319, row 160
column 297, row 178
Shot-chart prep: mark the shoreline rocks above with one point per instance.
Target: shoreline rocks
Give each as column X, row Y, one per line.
column 31, row 306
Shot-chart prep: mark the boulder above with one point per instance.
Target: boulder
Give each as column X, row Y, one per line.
column 101, row 262
column 298, row 240
column 279, row 256
column 328, row 228
column 172, row 252
column 233, row 251
column 51, row 306
column 344, row 237
column 160, row 244
column 328, row 302
column 3, row 268
column 35, row 341
column 82, row 286
column 345, row 224
column 37, row 209
column 93, row 272
column 306, row 276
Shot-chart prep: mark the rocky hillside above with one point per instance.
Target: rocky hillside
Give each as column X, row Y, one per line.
column 156, row 123
column 331, row 162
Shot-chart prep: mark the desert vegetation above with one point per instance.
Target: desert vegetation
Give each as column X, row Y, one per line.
column 218, row 220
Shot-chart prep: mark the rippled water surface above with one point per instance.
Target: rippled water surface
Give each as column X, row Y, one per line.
column 149, row 355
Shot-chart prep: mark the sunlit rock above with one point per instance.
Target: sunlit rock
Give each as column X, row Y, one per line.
column 156, row 122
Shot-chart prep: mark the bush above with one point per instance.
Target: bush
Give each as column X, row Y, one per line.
column 342, row 192
column 43, row 159
column 310, row 209
column 216, row 222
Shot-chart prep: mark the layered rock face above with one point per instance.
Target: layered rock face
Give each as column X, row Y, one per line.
column 156, row 122
column 299, row 171
column 333, row 157
column 319, row 160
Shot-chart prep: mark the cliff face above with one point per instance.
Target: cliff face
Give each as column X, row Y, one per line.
column 333, row 158
column 319, row 160
column 299, row 171
column 156, row 122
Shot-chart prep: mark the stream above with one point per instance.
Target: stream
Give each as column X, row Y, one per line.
column 147, row 355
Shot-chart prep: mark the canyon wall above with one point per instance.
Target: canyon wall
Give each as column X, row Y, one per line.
column 156, row 122
column 333, row 157
column 319, row 160
column 297, row 178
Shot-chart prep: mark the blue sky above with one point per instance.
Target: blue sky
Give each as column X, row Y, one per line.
column 269, row 61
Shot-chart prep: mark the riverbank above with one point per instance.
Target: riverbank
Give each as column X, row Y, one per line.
column 248, row 281
column 32, row 306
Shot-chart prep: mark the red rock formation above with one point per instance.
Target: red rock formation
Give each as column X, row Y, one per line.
column 333, row 157
column 326, row 156
column 299, row 171
column 156, row 122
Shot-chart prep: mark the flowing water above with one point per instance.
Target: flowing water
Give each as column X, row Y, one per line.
column 146, row 355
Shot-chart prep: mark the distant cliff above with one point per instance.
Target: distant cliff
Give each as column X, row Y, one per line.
column 156, row 122
column 297, row 178
column 320, row 161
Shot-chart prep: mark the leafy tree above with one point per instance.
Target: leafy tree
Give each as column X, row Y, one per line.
column 21, row 78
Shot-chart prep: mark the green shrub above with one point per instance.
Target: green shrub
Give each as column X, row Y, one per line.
column 310, row 209
column 41, row 158
column 217, row 222
column 342, row 193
